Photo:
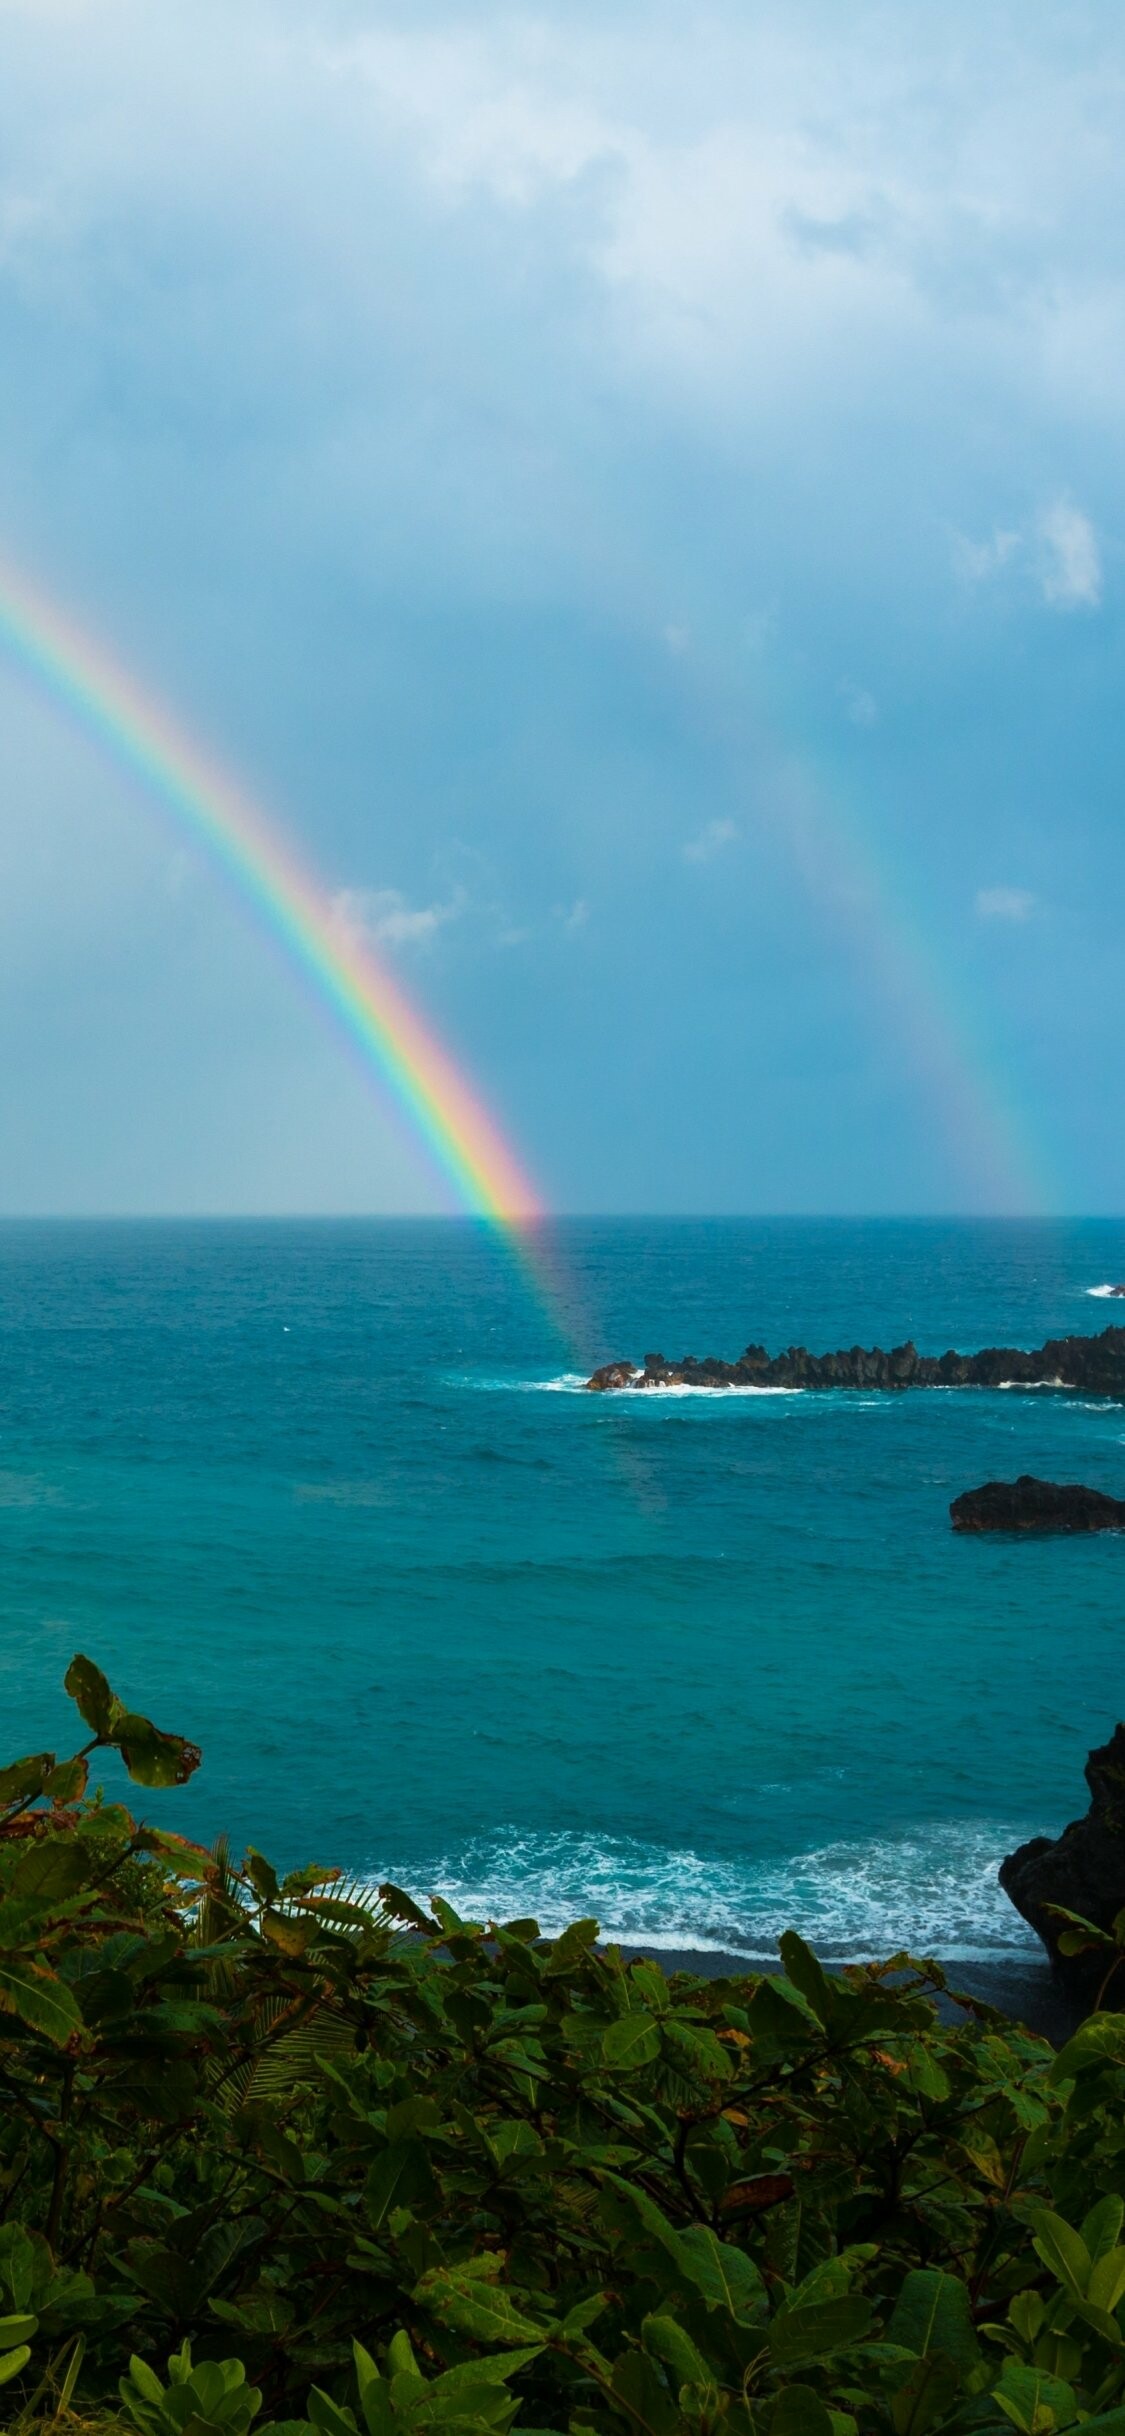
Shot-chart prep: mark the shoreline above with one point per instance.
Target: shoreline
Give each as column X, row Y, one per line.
column 1026, row 1990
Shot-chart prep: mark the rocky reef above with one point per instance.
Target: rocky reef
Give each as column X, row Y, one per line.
column 1028, row 1504
column 1095, row 1364
column 1083, row 1870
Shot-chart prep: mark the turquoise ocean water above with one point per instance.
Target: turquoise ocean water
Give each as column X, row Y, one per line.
column 326, row 1497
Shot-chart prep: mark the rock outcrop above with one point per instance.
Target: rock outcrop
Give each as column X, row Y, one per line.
column 1083, row 1869
column 1095, row 1364
column 1028, row 1504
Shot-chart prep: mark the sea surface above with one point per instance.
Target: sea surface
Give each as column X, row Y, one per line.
column 328, row 1498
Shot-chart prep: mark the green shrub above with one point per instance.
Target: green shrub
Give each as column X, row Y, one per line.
column 360, row 2167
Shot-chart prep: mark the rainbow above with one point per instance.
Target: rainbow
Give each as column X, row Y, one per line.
column 374, row 1012
column 858, row 887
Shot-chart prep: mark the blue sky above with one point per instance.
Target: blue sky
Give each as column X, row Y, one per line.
column 639, row 492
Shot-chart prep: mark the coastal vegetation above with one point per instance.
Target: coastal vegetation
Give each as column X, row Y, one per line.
column 284, row 2152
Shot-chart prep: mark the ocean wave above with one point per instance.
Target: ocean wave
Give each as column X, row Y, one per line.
column 933, row 1891
column 573, row 1383
column 673, row 1393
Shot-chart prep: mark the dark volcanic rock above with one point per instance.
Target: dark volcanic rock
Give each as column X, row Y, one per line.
column 1083, row 1869
column 1028, row 1504
column 1095, row 1364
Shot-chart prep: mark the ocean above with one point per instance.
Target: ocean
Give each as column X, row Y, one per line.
column 328, row 1498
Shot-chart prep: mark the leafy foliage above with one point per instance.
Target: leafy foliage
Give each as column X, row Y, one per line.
column 368, row 2168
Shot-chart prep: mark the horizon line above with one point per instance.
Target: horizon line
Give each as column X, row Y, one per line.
column 547, row 1218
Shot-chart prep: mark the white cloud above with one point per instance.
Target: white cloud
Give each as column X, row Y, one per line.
column 977, row 561
column 1065, row 556
column 381, row 917
column 1072, row 568
column 678, row 639
column 710, row 841
column 1004, row 904
column 573, row 917
column 861, row 707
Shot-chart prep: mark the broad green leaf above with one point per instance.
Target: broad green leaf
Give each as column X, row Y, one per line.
column 1101, row 2040
column 1034, row 2402
column 669, row 2343
column 726, row 2277
column 292, row 1934
column 17, row 2330
column 806, row 1975
column 145, row 2379
column 36, row 1996
column 68, row 1782
column 932, row 2313
column 582, row 2316
column 25, row 1776
column 651, row 1986
column 493, row 2370
column 1063, row 2251
column 55, row 1864
column 1101, row 2229
column 327, row 2417
column 403, row 1907
column 99, row 1708
column 262, row 1876
column 153, row 1758
column 181, row 1858
column 630, row 2041
column 697, row 2050
column 1026, row 2314
column 397, row 2179
column 640, row 2388
column 24, row 1924
column 1107, row 2281
column 483, row 2310
column 799, row 2336
column 449, row 1921
column 798, row 2411
column 824, row 2282
column 924, row 2074
column 924, row 2395
column 571, row 1948
column 11, row 2362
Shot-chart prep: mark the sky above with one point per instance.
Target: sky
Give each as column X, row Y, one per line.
column 637, row 493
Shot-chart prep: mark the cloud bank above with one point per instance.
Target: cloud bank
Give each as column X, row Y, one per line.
column 495, row 431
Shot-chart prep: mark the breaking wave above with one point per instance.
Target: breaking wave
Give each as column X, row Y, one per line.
column 573, row 1383
column 934, row 1891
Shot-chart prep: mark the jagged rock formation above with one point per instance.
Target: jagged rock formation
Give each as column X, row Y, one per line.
column 1095, row 1364
column 1028, row 1504
column 1083, row 1869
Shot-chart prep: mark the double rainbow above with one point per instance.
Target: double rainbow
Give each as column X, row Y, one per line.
column 355, row 985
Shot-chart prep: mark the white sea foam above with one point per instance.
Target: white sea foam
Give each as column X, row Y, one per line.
column 573, row 1383
column 933, row 1891
column 670, row 1390
column 1104, row 1293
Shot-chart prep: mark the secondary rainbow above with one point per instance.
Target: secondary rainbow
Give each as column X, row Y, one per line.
column 368, row 1002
